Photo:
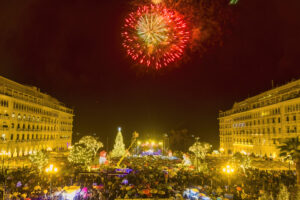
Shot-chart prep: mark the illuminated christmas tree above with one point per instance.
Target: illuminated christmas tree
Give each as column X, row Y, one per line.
column 119, row 147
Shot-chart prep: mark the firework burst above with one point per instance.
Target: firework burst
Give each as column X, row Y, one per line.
column 155, row 36
column 209, row 22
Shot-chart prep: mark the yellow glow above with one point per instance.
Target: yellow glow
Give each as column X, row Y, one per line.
column 160, row 143
column 139, row 142
column 243, row 152
column 152, row 143
column 156, row 1
column 51, row 169
column 228, row 169
column 49, row 149
column 4, row 153
column 222, row 149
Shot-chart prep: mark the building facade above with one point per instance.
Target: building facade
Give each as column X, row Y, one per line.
column 31, row 120
column 259, row 124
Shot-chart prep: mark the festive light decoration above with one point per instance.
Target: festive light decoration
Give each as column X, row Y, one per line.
column 283, row 193
column 91, row 142
column 81, row 154
column 39, row 159
column 155, row 35
column 200, row 149
column 119, row 147
column 102, row 158
column 186, row 160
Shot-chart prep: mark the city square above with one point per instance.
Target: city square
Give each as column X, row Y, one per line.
column 149, row 99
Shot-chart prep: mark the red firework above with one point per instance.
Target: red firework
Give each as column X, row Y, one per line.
column 155, row 36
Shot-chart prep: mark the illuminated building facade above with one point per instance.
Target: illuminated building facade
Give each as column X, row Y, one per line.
column 31, row 120
column 259, row 124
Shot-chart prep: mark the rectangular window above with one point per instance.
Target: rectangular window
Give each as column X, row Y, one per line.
column 11, row 136
column 23, row 136
column 18, row 136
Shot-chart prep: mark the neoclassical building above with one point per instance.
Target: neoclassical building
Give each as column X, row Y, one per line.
column 31, row 120
column 260, row 123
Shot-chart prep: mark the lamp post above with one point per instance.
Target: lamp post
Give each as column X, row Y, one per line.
column 3, row 154
column 51, row 170
column 228, row 170
column 197, row 153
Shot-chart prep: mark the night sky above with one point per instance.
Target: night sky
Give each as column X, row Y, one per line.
column 72, row 51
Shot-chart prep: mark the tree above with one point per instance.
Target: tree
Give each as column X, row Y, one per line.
column 283, row 193
column 119, row 147
column 81, row 155
column 291, row 147
column 39, row 159
column 266, row 196
column 91, row 143
column 200, row 150
column 243, row 161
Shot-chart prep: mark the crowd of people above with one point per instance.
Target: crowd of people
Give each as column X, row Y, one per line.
column 149, row 177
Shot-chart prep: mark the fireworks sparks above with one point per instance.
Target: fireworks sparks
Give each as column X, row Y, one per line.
column 152, row 29
column 233, row 2
column 155, row 36
column 157, row 1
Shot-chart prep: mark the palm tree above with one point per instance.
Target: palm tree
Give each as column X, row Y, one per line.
column 291, row 147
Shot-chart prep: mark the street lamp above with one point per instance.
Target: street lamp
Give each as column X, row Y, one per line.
column 222, row 150
column 51, row 170
column 228, row 170
column 3, row 154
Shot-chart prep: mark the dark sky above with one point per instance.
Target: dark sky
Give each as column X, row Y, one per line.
column 72, row 50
